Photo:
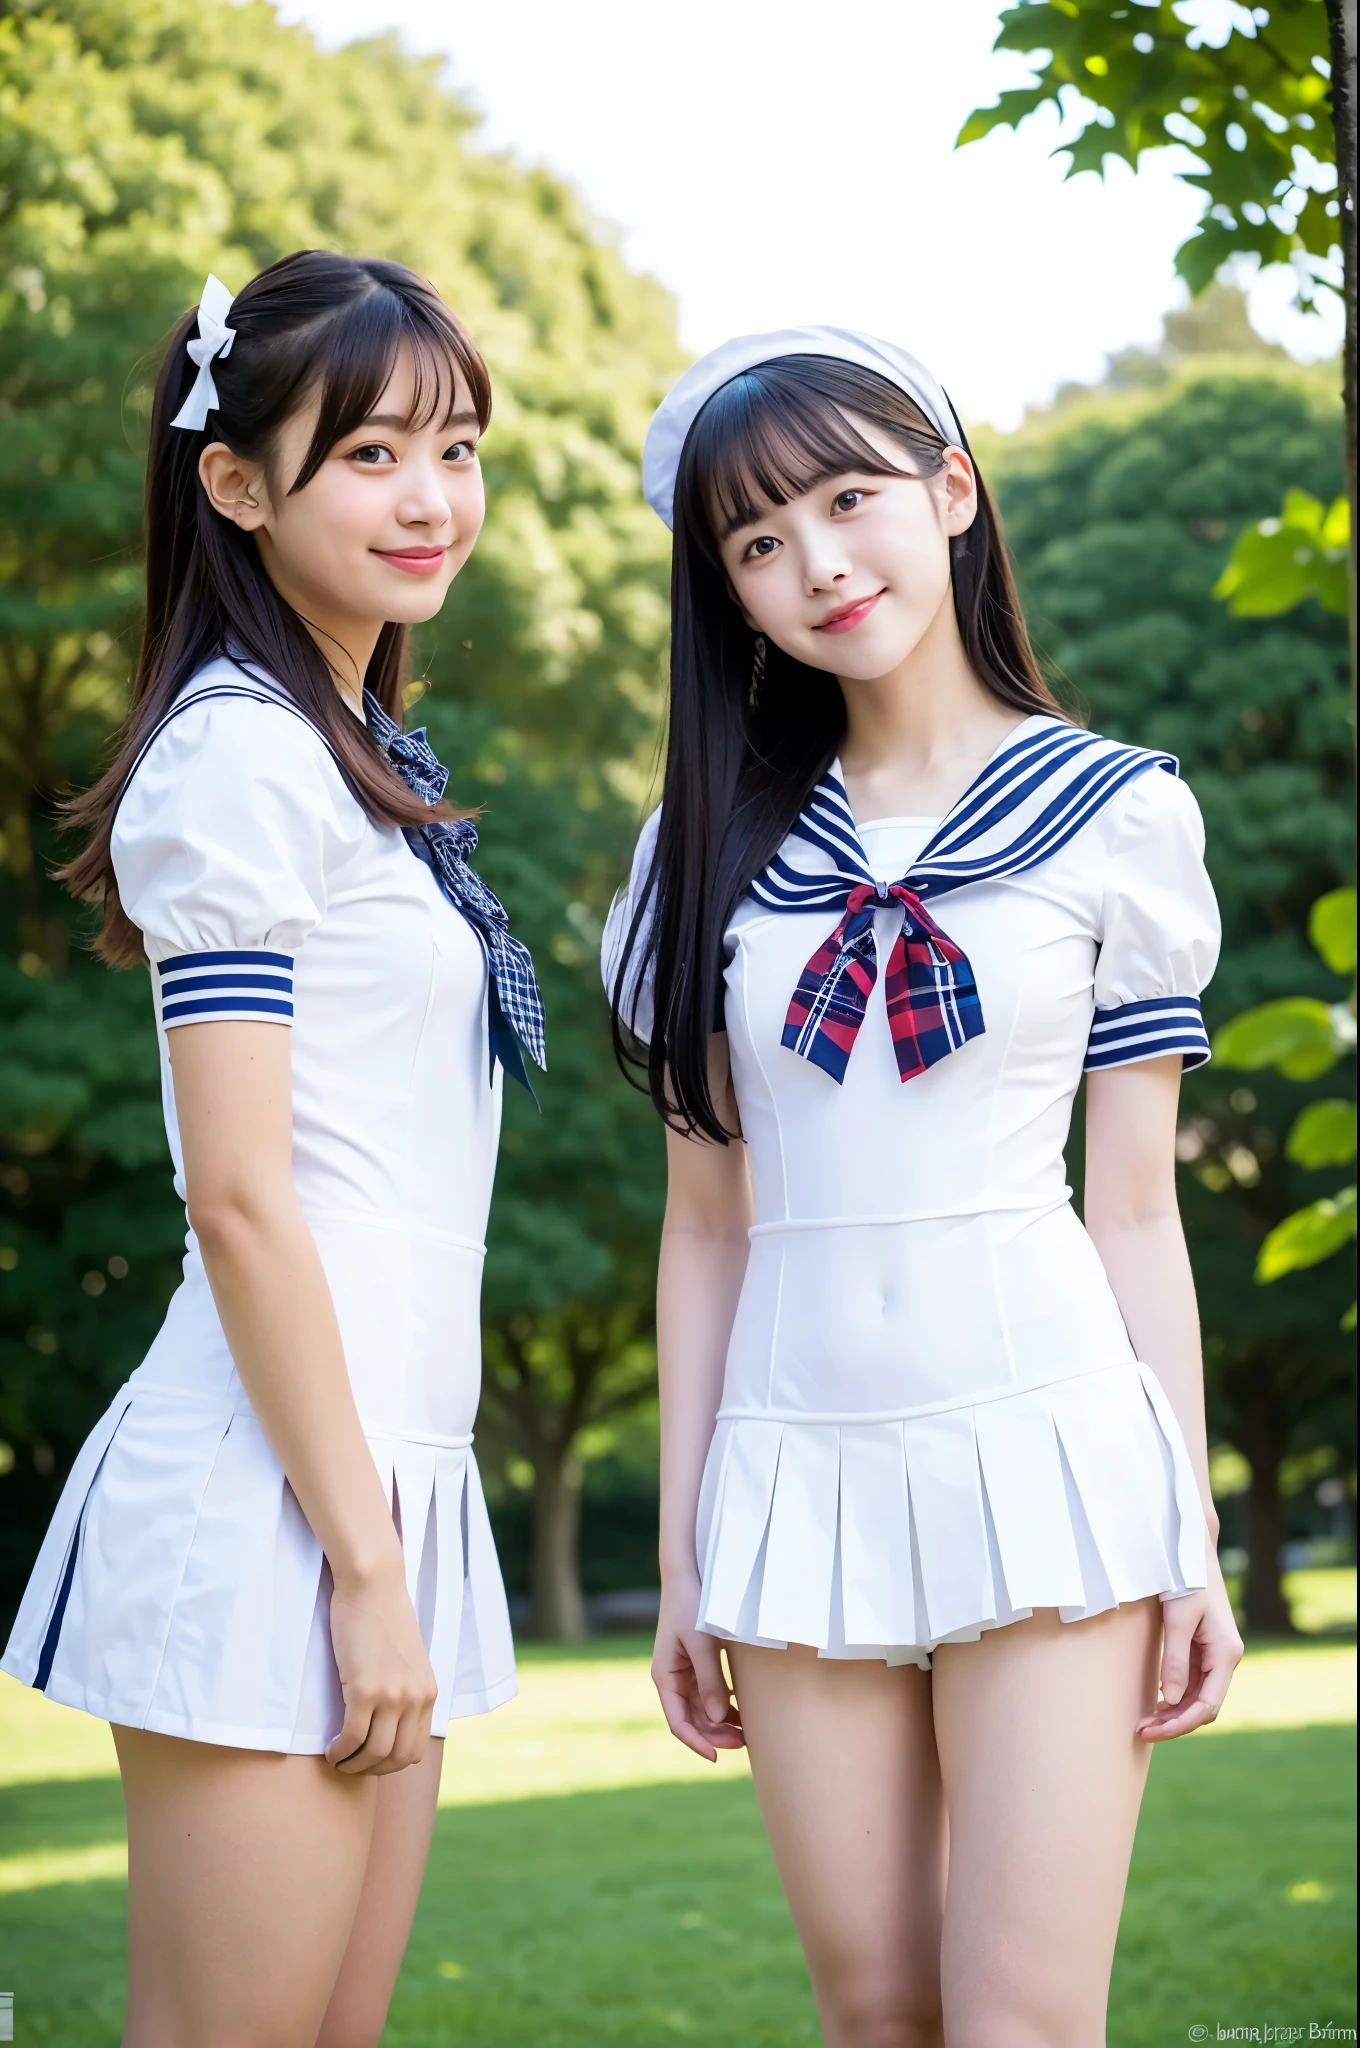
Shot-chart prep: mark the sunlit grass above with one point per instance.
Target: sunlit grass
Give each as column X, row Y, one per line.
column 593, row 1882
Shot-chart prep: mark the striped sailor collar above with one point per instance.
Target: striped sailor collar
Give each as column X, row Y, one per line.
column 1046, row 780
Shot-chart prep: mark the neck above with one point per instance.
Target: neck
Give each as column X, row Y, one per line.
column 928, row 710
column 346, row 643
column 916, row 737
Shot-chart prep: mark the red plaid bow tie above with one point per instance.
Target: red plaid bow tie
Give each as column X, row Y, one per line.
column 932, row 997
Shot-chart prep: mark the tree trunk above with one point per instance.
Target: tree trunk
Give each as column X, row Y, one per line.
column 1267, row 1611
column 1341, row 29
column 557, row 1610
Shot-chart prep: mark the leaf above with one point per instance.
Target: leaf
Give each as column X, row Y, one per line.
column 1296, row 1034
column 1331, row 926
column 1278, row 563
column 1307, row 1237
column 1323, row 1135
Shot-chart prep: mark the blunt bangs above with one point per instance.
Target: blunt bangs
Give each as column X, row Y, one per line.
column 775, row 432
column 360, row 345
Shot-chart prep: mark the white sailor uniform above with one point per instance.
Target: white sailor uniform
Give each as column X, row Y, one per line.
column 180, row 1588
column 933, row 1420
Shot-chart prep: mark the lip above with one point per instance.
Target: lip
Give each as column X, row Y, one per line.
column 849, row 616
column 414, row 561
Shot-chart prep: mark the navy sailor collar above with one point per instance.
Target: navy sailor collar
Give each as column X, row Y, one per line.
column 1046, row 780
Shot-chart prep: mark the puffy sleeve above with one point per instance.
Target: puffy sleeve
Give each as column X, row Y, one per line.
column 221, row 849
column 1159, row 930
column 635, row 1006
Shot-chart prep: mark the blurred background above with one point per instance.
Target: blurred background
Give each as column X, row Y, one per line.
column 1115, row 234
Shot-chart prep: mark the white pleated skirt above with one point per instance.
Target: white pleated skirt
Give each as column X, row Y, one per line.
column 181, row 1589
column 884, row 1536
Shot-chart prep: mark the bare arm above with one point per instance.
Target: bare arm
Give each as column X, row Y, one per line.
column 1134, row 1222
column 233, row 1099
column 703, row 1262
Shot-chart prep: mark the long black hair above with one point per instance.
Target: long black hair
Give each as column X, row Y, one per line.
column 312, row 327
column 741, row 765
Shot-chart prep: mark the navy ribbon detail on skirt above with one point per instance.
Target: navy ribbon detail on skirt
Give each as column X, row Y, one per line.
column 514, row 1004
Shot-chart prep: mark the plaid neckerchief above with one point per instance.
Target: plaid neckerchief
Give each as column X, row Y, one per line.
column 931, row 994
column 1044, row 783
column 515, row 1004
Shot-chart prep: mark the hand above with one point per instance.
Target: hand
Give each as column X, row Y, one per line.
column 386, row 1678
column 1201, row 1649
column 687, row 1671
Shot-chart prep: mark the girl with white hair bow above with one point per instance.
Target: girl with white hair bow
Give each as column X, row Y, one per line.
column 271, row 1567
column 934, row 1474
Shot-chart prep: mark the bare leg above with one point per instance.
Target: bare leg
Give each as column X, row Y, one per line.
column 245, row 1869
column 397, row 1855
column 1043, row 1776
column 843, row 1755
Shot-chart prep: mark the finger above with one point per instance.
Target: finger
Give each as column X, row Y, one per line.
column 353, row 1734
column 1166, row 1726
column 1217, row 1665
column 1178, row 1630
column 377, row 1746
column 710, row 1678
column 413, row 1735
column 676, row 1706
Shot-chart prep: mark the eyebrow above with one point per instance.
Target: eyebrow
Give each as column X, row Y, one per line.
column 402, row 424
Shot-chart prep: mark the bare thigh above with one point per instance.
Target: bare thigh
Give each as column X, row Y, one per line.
column 245, row 1870
column 397, row 1855
column 843, row 1755
column 1043, row 1776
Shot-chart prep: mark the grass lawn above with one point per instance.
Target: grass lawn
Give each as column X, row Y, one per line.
column 590, row 1882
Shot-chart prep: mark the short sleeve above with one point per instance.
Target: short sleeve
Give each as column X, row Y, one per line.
column 1159, row 930
column 635, row 1003
column 221, row 849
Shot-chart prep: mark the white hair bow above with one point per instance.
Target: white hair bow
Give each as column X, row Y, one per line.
column 214, row 339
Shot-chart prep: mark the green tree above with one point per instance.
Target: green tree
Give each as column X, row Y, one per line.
column 1268, row 116
column 1121, row 506
column 143, row 142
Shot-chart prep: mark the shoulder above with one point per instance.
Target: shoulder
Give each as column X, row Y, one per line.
column 233, row 750
column 1155, row 809
column 645, row 849
column 628, row 901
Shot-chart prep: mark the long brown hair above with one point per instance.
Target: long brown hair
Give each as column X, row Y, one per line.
column 738, row 772
column 312, row 327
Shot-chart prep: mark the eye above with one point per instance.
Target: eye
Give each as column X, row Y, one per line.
column 461, row 451
column 759, row 549
column 846, row 501
column 372, row 455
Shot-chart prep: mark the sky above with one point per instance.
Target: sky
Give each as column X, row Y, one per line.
column 776, row 162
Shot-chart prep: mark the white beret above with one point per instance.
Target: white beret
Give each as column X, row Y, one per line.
column 686, row 398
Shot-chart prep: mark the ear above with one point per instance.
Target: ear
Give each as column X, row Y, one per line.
column 235, row 487
column 958, row 484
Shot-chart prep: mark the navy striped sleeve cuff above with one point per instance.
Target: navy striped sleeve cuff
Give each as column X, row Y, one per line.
column 1147, row 1031
column 215, row 988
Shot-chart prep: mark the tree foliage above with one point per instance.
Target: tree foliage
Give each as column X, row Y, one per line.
column 142, row 143
column 1253, row 112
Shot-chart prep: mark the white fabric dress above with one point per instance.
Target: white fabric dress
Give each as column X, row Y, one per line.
column 180, row 1588
column 933, row 1421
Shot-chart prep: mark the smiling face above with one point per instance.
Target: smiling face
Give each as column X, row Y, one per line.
column 852, row 576
column 379, row 531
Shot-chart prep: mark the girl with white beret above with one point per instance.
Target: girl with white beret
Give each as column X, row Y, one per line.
column 271, row 1567
column 934, row 1474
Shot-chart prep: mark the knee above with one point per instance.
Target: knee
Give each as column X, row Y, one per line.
column 862, row 2014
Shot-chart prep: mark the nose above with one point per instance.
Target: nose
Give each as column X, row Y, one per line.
column 424, row 501
column 825, row 562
